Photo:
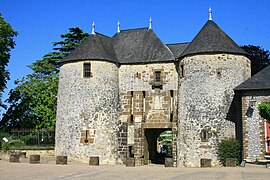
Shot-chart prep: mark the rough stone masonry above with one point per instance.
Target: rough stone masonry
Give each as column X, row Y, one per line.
column 118, row 94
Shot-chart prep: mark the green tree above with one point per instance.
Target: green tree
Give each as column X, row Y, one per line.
column 229, row 148
column 259, row 57
column 7, row 43
column 264, row 111
column 33, row 100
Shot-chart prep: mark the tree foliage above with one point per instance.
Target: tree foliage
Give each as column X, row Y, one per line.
column 259, row 57
column 7, row 33
column 264, row 111
column 33, row 101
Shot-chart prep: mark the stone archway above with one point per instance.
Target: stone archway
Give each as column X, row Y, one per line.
column 151, row 153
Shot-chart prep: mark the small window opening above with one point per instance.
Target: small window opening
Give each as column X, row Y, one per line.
column 182, row 70
column 130, row 151
column 131, row 119
column 157, row 86
column 143, row 101
column 86, row 136
column 157, row 83
column 87, row 70
column 158, row 76
column 250, row 111
column 171, row 117
column 205, row 135
column 218, row 72
column 171, row 93
column 131, row 92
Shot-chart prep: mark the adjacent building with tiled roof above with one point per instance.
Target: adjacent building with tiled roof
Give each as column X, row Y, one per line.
column 256, row 130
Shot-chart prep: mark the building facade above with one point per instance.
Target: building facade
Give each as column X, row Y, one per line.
column 118, row 94
column 255, row 129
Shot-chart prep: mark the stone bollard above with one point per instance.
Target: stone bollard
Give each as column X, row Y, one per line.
column 243, row 163
column 205, row 162
column 14, row 158
column 61, row 160
column 130, row 162
column 168, row 162
column 230, row 162
column 94, row 161
column 23, row 154
column 34, row 159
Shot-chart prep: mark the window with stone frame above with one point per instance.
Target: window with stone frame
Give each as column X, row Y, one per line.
column 87, row 69
column 205, row 135
column 157, row 82
column 158, row 76
column 88, row 136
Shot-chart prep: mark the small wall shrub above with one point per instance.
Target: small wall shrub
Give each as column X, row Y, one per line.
column 264, row 111
column 5, row 146
column 230, row 148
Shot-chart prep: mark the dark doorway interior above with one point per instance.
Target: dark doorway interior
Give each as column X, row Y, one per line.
column 154, row 151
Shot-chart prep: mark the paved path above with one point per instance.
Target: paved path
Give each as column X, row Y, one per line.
column 48, row 170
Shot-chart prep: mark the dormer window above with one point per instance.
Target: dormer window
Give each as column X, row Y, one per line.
column 87, row 69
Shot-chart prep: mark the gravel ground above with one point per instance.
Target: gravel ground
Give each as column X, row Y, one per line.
column 47, row 169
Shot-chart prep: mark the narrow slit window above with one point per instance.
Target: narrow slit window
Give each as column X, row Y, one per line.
column 131, row 119
column 182, row 74
column 171, row 117
column 130, row 151
column 87, row 70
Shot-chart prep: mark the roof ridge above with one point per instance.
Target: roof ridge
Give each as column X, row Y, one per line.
column 97, row 33
column 178, row 43
column 133, row 29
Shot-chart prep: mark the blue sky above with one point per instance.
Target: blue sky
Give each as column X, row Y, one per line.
column 40, row 22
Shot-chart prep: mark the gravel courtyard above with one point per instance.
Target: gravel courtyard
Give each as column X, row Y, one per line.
column 47, row 169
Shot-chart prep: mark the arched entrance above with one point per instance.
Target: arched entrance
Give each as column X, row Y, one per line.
column 158, row 145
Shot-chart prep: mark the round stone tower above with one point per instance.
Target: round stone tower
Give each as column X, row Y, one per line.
column 209, row 69
column 88, row 102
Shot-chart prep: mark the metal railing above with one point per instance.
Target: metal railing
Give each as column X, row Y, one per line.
column 30, row 137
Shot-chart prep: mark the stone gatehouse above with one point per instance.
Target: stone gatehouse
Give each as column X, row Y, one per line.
column 118, row 94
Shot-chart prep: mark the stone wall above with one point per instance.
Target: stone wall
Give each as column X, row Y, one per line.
column 254, row 144
column 205, row 95
column 146, row 103
column 107, row 114
column 87, row 112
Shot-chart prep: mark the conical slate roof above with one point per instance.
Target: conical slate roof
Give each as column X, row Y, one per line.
column 140, row 45
column 143, row 46
column 211, row 39
column 261, row 80
column 128, row 46
column 95, row 47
